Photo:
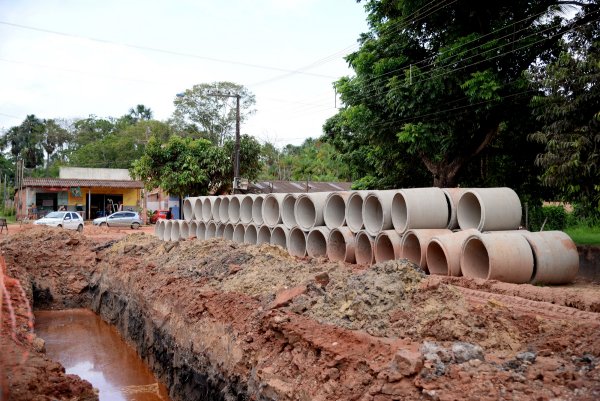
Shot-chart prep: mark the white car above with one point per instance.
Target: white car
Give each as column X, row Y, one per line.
column 68, row 220
column 120, row 219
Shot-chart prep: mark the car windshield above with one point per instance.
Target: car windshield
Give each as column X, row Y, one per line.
column 55, row 215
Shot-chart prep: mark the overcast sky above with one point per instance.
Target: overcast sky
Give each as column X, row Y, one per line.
column 73, row 58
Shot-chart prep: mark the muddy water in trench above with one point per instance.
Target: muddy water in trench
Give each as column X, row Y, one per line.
column 92, row 349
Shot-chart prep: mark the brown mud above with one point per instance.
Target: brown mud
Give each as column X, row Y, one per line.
column 216, row 320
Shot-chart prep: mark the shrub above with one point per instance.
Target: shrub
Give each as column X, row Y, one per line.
column 555, row 218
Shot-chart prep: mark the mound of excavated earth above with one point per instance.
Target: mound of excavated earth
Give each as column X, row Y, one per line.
column 217, row 320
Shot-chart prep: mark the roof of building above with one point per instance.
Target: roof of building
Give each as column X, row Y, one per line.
column 78, row 182
column 297, row 186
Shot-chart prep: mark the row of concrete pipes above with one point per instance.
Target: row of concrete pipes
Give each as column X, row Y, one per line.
column 450, row 231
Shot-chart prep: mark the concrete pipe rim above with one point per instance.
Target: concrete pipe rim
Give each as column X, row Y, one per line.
column 437, row 258
column 411, row 248
column 271, row 211
column 475, row 259
column 364, row 254
column 399, row 213
column 279, row 237
column 384, row 248
column 373, row 218
column 316, row 243
column 354, row 217
column 334, row 213
column 297, row 242
column 287, row 210
column 305, row 212
column 261, row 237
column 470, row 211
column 257, row 205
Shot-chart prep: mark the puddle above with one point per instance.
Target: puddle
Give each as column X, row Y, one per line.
column 94, row 350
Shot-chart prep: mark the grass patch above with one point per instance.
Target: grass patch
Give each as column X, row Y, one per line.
column 584, row 235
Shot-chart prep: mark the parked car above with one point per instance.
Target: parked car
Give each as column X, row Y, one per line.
column 68, row 220
column 120, row 219
column 158, row 214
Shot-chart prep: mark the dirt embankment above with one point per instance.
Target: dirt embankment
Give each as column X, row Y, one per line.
column 222, row 321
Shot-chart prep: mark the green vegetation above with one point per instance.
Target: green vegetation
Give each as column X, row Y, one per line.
column 584, row 234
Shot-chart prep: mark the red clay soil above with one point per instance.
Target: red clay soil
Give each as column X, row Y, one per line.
column 282, row 328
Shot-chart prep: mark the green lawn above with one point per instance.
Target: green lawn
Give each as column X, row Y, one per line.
column 584, row 235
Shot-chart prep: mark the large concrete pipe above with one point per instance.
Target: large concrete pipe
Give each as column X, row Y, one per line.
column 197, row 207
column 297, row 242
column 188, row 208
column 280, row 235
column 263, row 235
column 200, row 230
column 316, row 242
column 452, row 197
column 354, row 207
column 211, row 230
column 238, row 233
column 251, row 234
column 334, row 213
column 246, row 209
column 489, row 209
column 257, row 205
column 220, row 233
column 228, row 231
column 234, row 208
column 363, row 249
column 497, row 256
column 156, row 226
column 271, row 209
column 216, row 206
column 167, row 230
column 377, row 211
column 556, row 260
column 419, row 208
column 184, row 229
column 207, row 208
column 159, row 229
column 287, row 210
column 175, row 230
column 224, row 209
column 309, row 210
column 388, row 246
column 414, row 244
column 193, row 229
column 443, row 252
column 340, row 245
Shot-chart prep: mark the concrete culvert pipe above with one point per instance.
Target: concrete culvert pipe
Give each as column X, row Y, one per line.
column 443, row 253
column 198, row 205
column 287, row 210
column 257, row 205
column 363, row 249
column 497, row 256
column 159, row 229
column 452, row 197
column 220, row 233
column 316, row 242
column 251, row 234
column 297, row 242
column 308, row 210
column 228, row 231
column 224, row 209
column 246, row 208
column 388, row 246
column 167, row 230
column 211, row 230
column 489, row 209
column 354, row 206
column 377, row 211
column 280, row 235
column 184, row 229
column 340, row 245
column 188, row 208
column 263, row 235
column 334, row 213
column 156, row 228
column 193, row 229
column 238, row 233
column 271, row 209
column 175, row 230
column 216, row 206
column 414, row 244
column 201, row 231
column 207, row 207
column 234, row 208
column 419, row 208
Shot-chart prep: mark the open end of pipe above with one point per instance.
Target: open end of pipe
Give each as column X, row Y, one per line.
column 184, row 230
column 250, row 235
column 469, row 211
column 263, row 236
column 399, row 213
column 206, row 210
column 238, row 233
column 336, row 248
column 198, row 205
column 297, row 246
column 354, row 217
column 278, row 237
column 475, row 261
column 246, row 210
column 215, row 210
column 220, row 231
column 384, row 250
column 411, row 248
column 228, row 231
column 211, row 230
column 161, row 230
column 287, row 211
column 224, row 210
column 201, row 231
column 193, row 228
column 334, row 213
column 257, row 205
column 234, row 210
column 373, row 215
column 306, row 215
column 363, row 249
column 175, row 231
column 270, row 212
column 316, row 244
column 188, row 212
column 437, row 261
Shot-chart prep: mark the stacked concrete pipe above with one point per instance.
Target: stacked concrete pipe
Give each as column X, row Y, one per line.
column 224, row 208
column 377, row 211
column 497, row 256
column 453, row 196
column 167, row 230
column 246, row 208
column 234, row 208
column 251, row 234
column 160, row 229
column 263, row 235
column 200, row 230
column 297, row 242
column 334, row 213
column 193, row 229
column 188, row 208
column 419, row 208
column 354, row 206
column 157, row 229
column 280, row 235
column 198, row 205
column 308, row 210
column 175, row 230
column 238, row 233
column 443, row 252
column 489, row 209
column 363, row 248
column 257, row 204
column 219, row 233
column 415, row 242
column 287, row 210
column 271, row 209
column 207, row 208
column 211, row 230
column 216, row 206
column 388, row 246
column 340, row 245
column 228, row 231
column 316, row 242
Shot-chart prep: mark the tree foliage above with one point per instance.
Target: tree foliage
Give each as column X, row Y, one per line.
column 25, row 141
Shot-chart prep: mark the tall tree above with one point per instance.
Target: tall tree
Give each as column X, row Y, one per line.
column 140, row 113
column 438, row 83
column 55, row 137
column 25, row 141
column 212, row 108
